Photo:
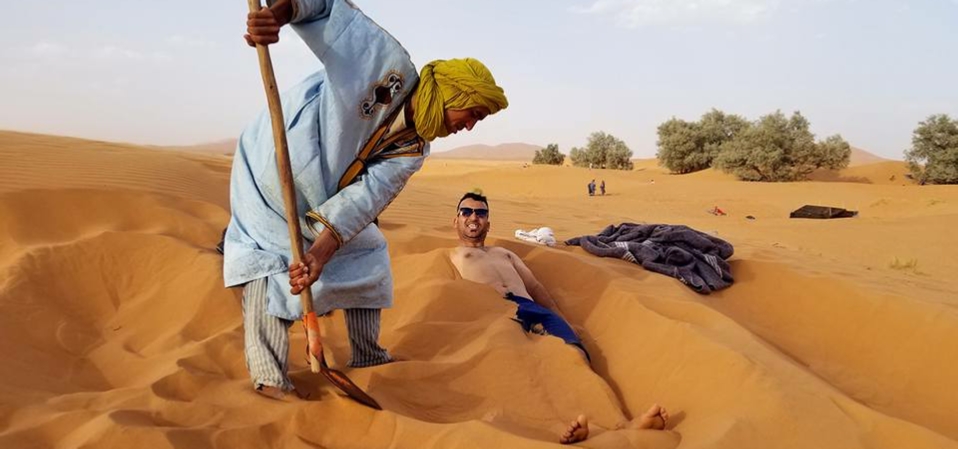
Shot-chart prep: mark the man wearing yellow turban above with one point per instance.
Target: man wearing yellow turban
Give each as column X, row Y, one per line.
column 357, row 131
column 453, row 95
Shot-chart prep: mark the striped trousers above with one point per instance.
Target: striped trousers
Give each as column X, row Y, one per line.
column 267, row 339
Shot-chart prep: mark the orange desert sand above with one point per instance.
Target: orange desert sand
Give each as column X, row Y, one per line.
column 117, row 331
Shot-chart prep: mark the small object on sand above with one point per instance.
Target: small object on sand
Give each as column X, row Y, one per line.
column 749, row 217
column 822, row 212
column 542, row 236
column 716, row 211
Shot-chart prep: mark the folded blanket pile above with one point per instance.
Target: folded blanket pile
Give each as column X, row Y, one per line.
column 695, row 258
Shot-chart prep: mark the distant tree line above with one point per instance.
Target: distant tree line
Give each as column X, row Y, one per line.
column 601, row 151
column 774, row 148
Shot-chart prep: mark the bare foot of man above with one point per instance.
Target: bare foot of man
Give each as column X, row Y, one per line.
column 578, row 430
column 655, row 418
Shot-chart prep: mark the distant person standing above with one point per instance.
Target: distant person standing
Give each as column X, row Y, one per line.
column 592, row 188
column 602, row 187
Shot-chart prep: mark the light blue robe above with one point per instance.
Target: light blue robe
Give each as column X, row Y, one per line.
column 345, row 174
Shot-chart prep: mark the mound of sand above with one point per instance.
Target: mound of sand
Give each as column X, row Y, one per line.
column 885, row 173
column 117, row 331
column 862, row 157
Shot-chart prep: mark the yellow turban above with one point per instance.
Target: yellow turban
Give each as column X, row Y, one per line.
column 453, row 84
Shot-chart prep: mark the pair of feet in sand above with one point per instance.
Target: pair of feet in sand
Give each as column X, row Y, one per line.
column 655, row 418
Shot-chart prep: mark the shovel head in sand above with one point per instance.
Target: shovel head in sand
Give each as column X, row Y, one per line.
column 314, row 348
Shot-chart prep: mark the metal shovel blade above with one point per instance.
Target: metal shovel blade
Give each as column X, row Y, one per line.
column 341, row 381
column 314, row 349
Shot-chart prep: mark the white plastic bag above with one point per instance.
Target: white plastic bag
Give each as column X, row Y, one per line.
column 542, row 236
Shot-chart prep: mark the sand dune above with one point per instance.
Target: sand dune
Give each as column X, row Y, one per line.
column 837, row 334
column 862, row 157
column 221, row 147
column 504, row 152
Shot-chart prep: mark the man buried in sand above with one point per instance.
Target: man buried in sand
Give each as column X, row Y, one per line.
column 505, row 272
column 357, row 131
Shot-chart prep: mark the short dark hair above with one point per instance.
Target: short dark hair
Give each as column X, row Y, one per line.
column 473, row 196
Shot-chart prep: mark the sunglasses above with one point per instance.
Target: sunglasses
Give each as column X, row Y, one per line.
column 467, row 212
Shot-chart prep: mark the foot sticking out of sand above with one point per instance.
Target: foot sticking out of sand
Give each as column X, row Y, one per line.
column 655, row 418
column 578, row 430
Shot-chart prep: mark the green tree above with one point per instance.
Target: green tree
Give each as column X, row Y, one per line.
column 779, row 149
column 686, row 147
column 549, row 155
column 933, row 157
column 833, row 153
column 602, row 151
column 716, row 128
column 680, row 147
column 577, row 157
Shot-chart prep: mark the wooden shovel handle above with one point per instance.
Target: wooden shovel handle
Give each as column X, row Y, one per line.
column 285, row 170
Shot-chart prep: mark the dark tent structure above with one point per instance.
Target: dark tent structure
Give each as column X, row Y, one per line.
column 822, row 212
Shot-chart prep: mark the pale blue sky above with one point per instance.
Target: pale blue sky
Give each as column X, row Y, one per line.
column 172, row 73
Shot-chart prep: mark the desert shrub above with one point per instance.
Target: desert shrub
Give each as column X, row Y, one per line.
column 549, row 155
column 602, row 151
column 686, row 147
column 933, row 157
column 778, row 148
column 680, row 147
